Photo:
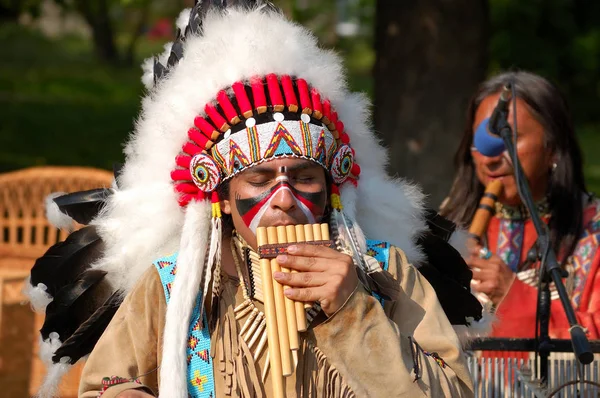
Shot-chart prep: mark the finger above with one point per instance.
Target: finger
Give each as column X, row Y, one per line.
column 306, row 294
column 486, row 288
column 304, row 264
column 301, row 279
column 476, row 262
column 483, row 274
column 300, row 249
column 474, row 249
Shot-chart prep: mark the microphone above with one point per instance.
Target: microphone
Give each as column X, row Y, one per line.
column 486, row 141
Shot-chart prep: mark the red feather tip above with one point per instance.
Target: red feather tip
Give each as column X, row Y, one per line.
column 183, row 161
column 186, row 187
column 326, row 112
column 199, row 138
column 206, row 128
column 181, row 175
column 275, row 93
column 184, row 199
column 200, row 196
column 344, row 138
column 228, row 108
column 316, row 104
column 191, row 149
column 305, row 102
column 216, row 117
column 258, row 92
column 242, row 99
column 339, row 126
column 290, row 94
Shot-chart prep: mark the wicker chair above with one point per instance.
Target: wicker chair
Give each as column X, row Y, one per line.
column 25, row 235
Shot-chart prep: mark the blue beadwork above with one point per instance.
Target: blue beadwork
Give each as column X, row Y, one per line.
column 200, row 369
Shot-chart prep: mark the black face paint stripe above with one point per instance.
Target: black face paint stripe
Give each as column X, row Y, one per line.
column 317, row 198
column 245, row 205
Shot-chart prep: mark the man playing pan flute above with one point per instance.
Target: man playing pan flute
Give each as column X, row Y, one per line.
column 249, row 124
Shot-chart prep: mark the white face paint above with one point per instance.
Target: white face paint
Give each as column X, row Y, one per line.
column 253, row 224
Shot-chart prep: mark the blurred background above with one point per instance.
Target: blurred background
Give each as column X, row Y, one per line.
column 70, row 91
column 70, row 71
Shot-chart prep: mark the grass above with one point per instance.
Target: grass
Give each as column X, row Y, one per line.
column 59, row 106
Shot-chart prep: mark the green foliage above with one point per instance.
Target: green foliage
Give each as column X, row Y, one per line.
column 559, row 39
column 59, row 106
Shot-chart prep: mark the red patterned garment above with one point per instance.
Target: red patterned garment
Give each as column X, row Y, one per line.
column 516, row 313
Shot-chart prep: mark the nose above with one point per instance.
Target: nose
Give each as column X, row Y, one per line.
column 284, row 199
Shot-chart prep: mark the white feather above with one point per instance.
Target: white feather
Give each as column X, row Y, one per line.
column 54, row 375
column 48, row 347
column 477, row 329
column 214, row 254
column 458, row 240
column 183, row 19
column 190, row 267
column 143, row 221
column 38, row 295
column 53, row 214
column 385, row 209
column 148, row 75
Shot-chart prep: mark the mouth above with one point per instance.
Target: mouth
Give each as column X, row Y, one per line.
column 283, row 223
column 495, row 176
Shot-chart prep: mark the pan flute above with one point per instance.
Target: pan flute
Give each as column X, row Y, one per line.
column 285, row 318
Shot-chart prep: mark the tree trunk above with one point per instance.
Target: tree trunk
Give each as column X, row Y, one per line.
column 96, row 13
column 129, row 57
column 431, row 54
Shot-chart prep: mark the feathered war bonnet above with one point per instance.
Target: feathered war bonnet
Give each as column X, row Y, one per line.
column 240, row 85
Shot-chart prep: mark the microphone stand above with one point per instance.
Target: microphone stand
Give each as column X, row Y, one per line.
column 549, row 268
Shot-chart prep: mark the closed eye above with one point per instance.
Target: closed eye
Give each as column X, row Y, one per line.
column 260, row 183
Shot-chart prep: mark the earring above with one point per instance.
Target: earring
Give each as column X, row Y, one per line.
column 554, row 166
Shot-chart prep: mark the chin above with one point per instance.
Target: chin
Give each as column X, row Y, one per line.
column 512, row 200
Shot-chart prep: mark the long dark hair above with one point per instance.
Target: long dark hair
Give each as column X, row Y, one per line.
column 566, row 183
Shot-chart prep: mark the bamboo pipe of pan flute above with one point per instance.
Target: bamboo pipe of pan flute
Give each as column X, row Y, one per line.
column 282, row 325
column 293, row 234
column 271, row 318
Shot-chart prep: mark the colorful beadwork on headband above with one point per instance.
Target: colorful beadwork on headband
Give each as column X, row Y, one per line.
column 287, row 115
column 205, row 172
column 341, row 165
column 278, row 138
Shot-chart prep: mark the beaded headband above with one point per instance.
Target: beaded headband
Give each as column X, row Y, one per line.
column 254, row 121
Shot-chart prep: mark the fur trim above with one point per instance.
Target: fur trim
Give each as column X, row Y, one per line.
column 38, row 295
column 138, row 226
column 56, row 217
column 459, row 240
column 190, row 267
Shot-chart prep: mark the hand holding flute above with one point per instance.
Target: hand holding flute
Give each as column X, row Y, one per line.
column 303, row 273
column 491, row 276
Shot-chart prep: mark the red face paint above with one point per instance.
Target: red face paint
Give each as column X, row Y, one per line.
column 252, row 209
